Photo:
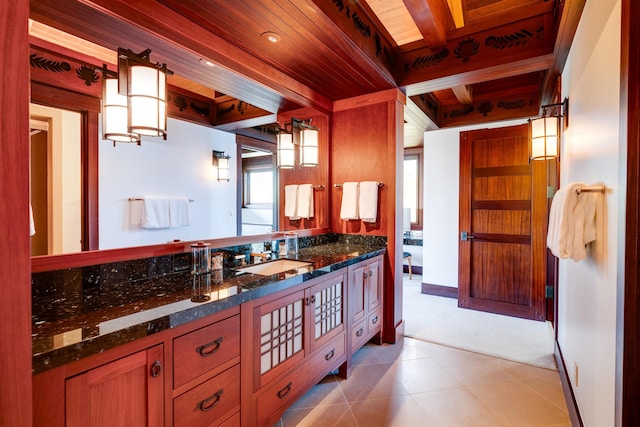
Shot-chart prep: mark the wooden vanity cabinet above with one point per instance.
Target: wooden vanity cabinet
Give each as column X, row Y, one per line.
column 298, row 338
column 365, row 297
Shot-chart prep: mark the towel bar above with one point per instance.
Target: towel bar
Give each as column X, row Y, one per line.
column 592, row 189
column 380, row 184
column 133, row 199
column 318, row 187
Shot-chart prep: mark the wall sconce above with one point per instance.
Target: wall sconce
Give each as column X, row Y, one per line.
column 298, row 132
column 544, row 132
column 135, row 103
column 221, row 161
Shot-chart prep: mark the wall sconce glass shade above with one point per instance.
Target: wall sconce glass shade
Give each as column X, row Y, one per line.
column 545, row 137
column 286, row 150
column 147, row 94
column 221, row 162
column 309, row 147
column 115, row 113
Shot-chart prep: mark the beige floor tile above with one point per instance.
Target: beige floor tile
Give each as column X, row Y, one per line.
column 322, row 416
column 457, row 408
column 325, row 393
column 396, row 411
column 470, row 367
column 422, row 375
column 371, row 382
column 367, row 355
column 549, row 389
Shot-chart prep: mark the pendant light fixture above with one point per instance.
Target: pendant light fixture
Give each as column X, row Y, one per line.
column 544, row 132
column 301, row 133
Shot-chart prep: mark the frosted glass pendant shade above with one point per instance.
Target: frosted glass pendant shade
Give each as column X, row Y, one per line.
column 545, row 137
column 115, row 114
column 309, row 147
column 286, row 151
column 147, row 97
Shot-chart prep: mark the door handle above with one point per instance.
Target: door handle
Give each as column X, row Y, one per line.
column 464, row 235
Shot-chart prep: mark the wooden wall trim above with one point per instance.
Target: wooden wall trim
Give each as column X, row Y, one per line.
column 628, row 333
column 569, row 397
column 439, row 290
column 370, row 99
column 15, row 304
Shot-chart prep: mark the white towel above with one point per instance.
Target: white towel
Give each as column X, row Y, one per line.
column 155, row 212
column 571, row 222
column 368, row 201
column 291, row 201
column 349, row 207
column 32, row 225
column 178, row 212
column 305, row 201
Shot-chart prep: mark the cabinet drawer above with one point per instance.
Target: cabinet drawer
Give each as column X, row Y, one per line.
column 204, row 349
column 210, row 403
column 375, row 322
column 359, row 334
column 326, row 359
column 281, row 394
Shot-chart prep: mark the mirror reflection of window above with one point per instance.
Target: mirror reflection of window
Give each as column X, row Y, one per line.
column 410, row 195
column 55, row 180
column 257, row 192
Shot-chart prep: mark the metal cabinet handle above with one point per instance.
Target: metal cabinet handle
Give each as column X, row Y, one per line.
column 208, row 349
column 283, row 393
column 211, row 401
column 330, row 355
column 156, row 369
column 374, row 320
column 360, row 332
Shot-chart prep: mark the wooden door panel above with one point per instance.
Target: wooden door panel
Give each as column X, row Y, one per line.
column 501, row 209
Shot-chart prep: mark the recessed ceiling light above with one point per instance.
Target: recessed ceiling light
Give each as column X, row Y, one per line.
column 207, row 62
column 271, row 36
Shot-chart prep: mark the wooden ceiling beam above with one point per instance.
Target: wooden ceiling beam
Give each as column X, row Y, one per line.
column 464, row 94
column 433, row 19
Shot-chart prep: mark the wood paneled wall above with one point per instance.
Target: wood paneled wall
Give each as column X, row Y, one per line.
column 15, row 304
column 367, row 145
column 309, row 175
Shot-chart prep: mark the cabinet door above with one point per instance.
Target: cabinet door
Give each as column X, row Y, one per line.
column 327, row 310
column 279, row 334
column 126, row 392
column 374, row 285
column 358, row 292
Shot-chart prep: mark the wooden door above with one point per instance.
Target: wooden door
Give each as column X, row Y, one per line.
column 503, row 214
column 126, row 392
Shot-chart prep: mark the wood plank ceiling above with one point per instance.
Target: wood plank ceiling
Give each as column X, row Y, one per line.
column 459, row 61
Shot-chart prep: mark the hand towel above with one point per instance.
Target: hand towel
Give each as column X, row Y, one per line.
column 155, row 212
column 571, row 222
column 178, row 212
column 32, row 225
column 349, row 207
column 305, row 201
column 368, row 201
column 291, row 201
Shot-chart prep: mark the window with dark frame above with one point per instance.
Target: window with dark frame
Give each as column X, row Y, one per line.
column 412, row 193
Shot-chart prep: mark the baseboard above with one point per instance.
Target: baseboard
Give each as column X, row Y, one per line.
column 439, row 290
column 569, row 397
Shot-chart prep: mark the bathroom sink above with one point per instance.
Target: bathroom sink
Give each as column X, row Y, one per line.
column 278, row 266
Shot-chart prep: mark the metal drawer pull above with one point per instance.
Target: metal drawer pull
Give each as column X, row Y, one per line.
column 374, row 320
column 211, row 401
column 360, row 332
column 156, row 369
column 206, row 351
column 283, row 393
column 330, row 355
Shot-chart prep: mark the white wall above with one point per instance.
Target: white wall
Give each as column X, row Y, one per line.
column 441, row 203
column 181, row 166
column 590, row 153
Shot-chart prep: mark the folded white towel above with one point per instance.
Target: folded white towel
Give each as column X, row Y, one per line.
column 291, row 201
column 571, row 222
column 305, row 201
column 349, row 207
column 368, row 204
column 32, row 225
column 155, row 212
column 178, row 212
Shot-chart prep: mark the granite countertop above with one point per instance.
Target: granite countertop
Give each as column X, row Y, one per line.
column 67, row 326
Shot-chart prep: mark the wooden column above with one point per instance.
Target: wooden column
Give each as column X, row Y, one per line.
column 15, row 304
column 367, row 145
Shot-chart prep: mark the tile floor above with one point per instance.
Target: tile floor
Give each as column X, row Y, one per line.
column 417, row 383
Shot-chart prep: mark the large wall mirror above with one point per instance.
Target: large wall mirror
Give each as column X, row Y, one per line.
column 87, row 193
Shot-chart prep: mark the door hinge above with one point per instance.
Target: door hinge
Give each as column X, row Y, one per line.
column 549, row 292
